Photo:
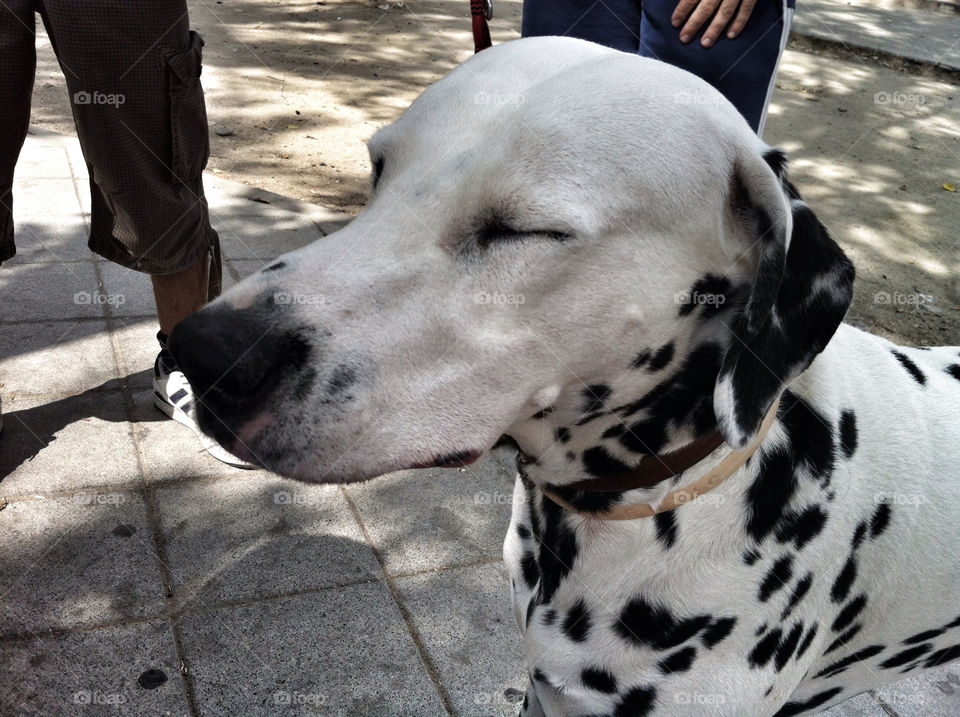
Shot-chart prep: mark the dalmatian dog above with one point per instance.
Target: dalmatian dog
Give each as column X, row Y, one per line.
column 591, row 253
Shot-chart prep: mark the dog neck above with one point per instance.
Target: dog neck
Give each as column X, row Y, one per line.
column 662, row 404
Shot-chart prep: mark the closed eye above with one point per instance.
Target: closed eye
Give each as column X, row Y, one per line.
column 494, row 233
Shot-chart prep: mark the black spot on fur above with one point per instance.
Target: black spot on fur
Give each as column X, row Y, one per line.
column 717, row 632
column 666, row 524
column 598, row 462
column 954, row 370
column 679, row 661
column 638, row 702
column 750, row 557
column 849, row 613
column 594, row 397
column 955, row 623
column 641, row 623
column 795, row 708
column 941, row 656
column 841, row 665
column 577, row 624
column 528, row 564
column 763, row 651
column 908, row 655
column 275, row 266
column 593, row 502
column 599, row 679
column 523, row 531
column 848, row 433
column 844, row 638
column 807, row 641
column 881, row 520
column 776, row 578
column 788, row 646
column 911, row 367
column 801, row 527
column 646, row 436
column 558, row 548
column 923, row 636
column 343, row 378
column 563, row 434
column 549, row 616
column 777, row 161
column 760, row 630
column 858, row 535
column 641, row 358
column 661, row 358
column 844, row 582
column 543, row 413
column 799, row 592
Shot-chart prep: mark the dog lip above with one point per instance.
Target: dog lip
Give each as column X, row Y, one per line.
column 458, row 459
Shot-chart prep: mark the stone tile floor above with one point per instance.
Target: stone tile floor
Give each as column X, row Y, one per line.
column 138, row 576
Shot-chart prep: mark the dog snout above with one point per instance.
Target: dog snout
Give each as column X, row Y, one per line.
column 234, row 359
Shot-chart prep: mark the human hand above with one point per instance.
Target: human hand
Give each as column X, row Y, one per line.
column 697, row 12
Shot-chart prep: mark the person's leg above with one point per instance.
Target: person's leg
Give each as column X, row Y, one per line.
column 133, row 73
column 18, row 58
column 614, row 23
column 743, row 69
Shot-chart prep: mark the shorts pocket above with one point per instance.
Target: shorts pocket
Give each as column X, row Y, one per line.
column 189, row 138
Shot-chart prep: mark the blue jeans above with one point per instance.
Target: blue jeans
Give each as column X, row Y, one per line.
column 743, row 69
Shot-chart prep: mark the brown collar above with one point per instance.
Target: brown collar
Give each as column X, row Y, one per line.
column 655, row 469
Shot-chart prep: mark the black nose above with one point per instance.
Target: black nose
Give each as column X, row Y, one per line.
column 234, row 359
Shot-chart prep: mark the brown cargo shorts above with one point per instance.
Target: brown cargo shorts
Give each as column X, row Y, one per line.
column 133, row 73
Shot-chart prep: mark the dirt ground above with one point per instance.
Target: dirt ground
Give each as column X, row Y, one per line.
column 295, row 88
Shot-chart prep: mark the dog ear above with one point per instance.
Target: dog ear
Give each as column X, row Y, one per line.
column 801, row 291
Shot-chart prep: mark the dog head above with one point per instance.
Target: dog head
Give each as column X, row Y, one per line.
column 535, row 219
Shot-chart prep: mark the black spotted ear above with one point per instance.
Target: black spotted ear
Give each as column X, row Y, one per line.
column 801, row 291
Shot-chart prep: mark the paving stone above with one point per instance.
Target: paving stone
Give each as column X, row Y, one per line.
column 93, row 673
column 68, row 444
column 49, row 291
column 343, row 651
column 77, row 561
column 465, row 621
column 933, row 693
column 259, row 535
column 138, row 348
column 264, row 237
column 128, row 292
column 48, row 197
column 863, row 705
column 438, row 518
column 42, row 242
column 55, row 357
column 171, row 450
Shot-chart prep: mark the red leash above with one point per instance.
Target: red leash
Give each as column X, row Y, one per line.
column 482, row 10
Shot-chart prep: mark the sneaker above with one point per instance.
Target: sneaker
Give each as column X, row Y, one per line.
column 172, row 395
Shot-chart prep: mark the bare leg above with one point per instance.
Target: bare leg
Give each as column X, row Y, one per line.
column 179, row 295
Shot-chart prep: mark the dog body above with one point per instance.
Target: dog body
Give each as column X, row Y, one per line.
column 592, row 253
column 809, row 576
